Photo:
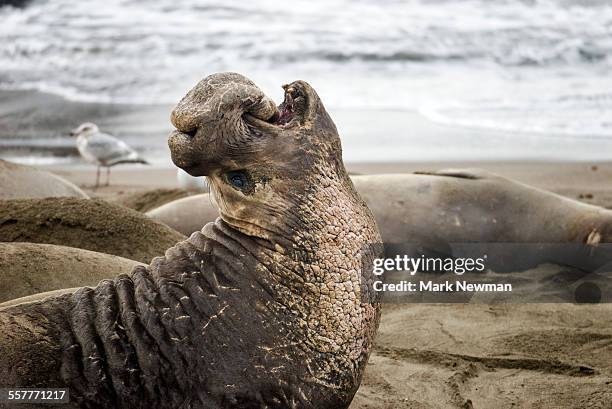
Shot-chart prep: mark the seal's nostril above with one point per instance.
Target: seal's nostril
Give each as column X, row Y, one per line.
column 274, row 118
column 191, row 132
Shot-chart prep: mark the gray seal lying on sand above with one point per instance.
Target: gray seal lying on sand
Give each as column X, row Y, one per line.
column 23, row 182
column 267, row 307
column 446, row 206
column 29, row 268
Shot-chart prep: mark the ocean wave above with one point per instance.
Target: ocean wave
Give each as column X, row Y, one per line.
column 408, row 54
column 591, row 117
column 14, row 3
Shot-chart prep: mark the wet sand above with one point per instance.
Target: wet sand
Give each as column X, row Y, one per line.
column 590, row 182
column 35, row 123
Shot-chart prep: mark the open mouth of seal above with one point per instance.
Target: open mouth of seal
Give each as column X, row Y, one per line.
column 287, row 109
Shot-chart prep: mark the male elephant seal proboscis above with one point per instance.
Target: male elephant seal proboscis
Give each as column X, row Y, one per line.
column 23, row 182
column 267, row 307
column 29, row 268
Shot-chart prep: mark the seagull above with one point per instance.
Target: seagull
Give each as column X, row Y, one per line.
column 103, row 149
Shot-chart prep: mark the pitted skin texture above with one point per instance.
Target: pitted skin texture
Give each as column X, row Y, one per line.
column 267, row 307
column 211, row 114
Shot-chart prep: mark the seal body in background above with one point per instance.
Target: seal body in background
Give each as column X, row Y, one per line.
column 449, row 206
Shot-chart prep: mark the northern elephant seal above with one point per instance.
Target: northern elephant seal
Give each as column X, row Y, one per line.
column 85, row 223
column 268, row 307
column 187, row 214
column 37, row 297
column 446, row 206
column 143, row 201
column 22, row 182
column 472, row 205
column 29, row 268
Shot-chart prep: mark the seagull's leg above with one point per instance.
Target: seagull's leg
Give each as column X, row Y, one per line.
column 97, row 178
column 107, row 175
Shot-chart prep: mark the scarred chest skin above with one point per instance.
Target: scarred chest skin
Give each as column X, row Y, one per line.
column 268, row 307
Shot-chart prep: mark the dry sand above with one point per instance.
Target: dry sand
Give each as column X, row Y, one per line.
column 481, row 356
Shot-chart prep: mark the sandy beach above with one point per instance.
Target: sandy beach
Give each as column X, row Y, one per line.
column 477, row 355
column 480, row 356
column 520, row 89
column 426, row 355
column 467, row 356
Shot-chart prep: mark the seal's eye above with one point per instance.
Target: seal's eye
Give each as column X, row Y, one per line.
column 238, row 179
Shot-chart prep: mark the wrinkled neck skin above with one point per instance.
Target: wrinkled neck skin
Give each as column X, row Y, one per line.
column 315, row 239
column 277, row 316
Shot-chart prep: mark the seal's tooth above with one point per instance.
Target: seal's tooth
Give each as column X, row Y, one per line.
column 288, row 97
